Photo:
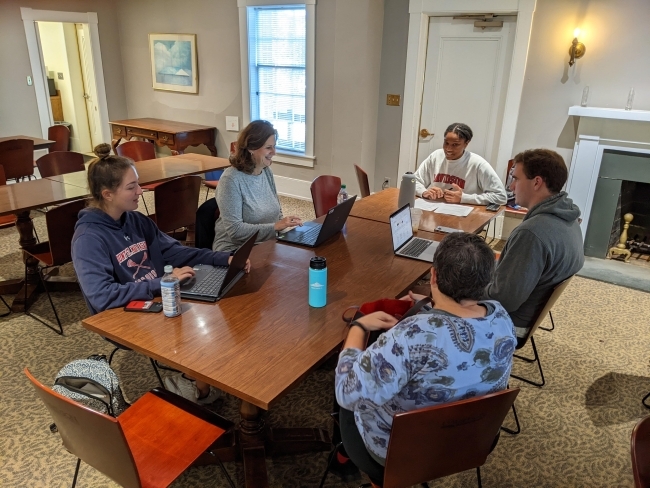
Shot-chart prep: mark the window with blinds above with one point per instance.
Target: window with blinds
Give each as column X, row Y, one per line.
column 277, row 47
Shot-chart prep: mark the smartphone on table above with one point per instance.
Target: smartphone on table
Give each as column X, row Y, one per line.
column 143, row 306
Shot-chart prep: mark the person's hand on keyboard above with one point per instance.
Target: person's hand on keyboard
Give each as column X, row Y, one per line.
column 247, row 268
column 289, row 221
column 184, row 273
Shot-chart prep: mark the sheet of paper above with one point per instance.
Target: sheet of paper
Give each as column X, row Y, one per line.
column 453, row 209
column 425, row 205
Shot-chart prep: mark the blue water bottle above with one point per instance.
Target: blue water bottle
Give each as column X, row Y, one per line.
column 317, row 282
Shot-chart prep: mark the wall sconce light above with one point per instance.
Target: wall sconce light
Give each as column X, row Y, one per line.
column 577, row 49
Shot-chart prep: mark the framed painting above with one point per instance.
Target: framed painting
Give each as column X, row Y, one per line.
column 174, row 62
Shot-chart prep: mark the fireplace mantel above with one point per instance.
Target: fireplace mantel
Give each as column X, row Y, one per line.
column 610, row 113
column 601, row 129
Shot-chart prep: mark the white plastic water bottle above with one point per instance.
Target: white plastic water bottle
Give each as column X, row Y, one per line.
column 170, row 289
column 342, row 196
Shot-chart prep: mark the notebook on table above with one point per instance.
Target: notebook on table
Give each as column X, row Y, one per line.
column 313, row 234
column 404, row 243
column 211, row 283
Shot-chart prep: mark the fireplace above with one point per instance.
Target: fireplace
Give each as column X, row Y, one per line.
column 609, row 175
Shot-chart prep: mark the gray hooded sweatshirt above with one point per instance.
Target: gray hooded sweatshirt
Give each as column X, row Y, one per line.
column 544, row 250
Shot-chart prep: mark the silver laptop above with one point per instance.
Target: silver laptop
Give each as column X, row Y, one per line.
column 404, row 244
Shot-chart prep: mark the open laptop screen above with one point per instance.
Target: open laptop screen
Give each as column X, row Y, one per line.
column 400, row 226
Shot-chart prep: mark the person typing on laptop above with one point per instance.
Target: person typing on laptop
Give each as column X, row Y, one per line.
column 118, row 253
column 246, row 195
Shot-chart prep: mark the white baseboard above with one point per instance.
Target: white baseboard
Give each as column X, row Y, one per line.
column 291, row 187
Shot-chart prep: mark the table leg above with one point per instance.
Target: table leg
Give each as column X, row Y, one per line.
column 251, row 438
column 213, row 149
column 115, row 143
column 29, row 286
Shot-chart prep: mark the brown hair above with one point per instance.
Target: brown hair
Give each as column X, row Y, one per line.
column 106, row 172
column 545, row 163
column 250, row 139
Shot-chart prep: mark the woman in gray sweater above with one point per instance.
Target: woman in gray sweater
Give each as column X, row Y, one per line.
column 246, row 195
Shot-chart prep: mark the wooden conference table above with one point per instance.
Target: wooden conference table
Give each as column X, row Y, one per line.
column 38, row 142
column 262, row 339
column 379, row 206
column 22, row 197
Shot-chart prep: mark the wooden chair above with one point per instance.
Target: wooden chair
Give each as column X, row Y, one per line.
column 206, row 216
column 60, row 163
column 17, row 157
column 139, row 151
column 557, row 291
column 176, row 203
column 60, row 222
column 438, row 441
column 61, row 135
column 362, row 178
column 324, row 190
column 5, row 220
column 210, row 181
column 641, row 453
column 149, row 445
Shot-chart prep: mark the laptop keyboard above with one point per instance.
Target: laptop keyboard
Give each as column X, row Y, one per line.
column 211, row 283
column 309, row 236
column 415, row 247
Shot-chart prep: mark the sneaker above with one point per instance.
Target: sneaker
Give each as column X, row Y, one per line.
column 347, row 471
column 186, row 388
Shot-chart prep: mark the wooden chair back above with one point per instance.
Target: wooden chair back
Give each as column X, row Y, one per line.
column 176, row 202
column 433, row 442
column 206, row 216
column 641, row 453
column 17, row 157
column 61, row 135
column 362, row 178
column 60, row 163
column 557, row 291
column 60, row 222
column 5, row 220
column 324, row 190
column 93, row 437
column 137, row 150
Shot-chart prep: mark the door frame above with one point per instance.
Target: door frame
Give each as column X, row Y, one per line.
column 419, row 13
column 30, row 17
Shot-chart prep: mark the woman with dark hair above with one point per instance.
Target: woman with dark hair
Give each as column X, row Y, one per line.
column 247, row 199
column 458, row 175
column 119, row 254
column 459, row 349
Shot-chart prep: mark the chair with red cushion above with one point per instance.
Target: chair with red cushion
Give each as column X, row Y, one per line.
column 17, row 158
column 60, row 222
column 149, row 445
column 61, row 135
column 362, row 178
column 139, row 151
column 60, row 163
column 324, row 190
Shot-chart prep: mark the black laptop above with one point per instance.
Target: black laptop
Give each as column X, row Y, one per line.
column 211, row 283
column 313, row 234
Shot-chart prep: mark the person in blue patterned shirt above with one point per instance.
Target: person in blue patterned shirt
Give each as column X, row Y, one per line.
column 461, row 348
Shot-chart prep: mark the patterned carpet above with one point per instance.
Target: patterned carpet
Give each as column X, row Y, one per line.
column 576, row 429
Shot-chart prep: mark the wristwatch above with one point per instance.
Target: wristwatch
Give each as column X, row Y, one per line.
column 358, row 324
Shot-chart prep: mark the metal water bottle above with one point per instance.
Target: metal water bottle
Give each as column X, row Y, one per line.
column 407, row 190
column 317, row 282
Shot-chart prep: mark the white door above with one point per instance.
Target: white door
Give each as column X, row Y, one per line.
column 88, row 75
column 465, row 80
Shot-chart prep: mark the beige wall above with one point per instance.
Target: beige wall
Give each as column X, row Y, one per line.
column 18, row 111
column 348, row 49
column 617, row 58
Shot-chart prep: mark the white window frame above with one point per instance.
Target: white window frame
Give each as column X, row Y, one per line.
column 281, row 156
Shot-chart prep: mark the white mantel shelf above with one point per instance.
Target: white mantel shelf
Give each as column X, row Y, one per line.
column 610, row 113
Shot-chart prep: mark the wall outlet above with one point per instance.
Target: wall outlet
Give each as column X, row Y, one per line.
column 232, row 123
column 386, row 183
column 60, row 76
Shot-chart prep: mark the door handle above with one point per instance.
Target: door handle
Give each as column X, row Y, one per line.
column 425, row 133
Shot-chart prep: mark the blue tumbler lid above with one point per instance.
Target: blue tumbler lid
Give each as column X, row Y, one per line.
column 318, row 262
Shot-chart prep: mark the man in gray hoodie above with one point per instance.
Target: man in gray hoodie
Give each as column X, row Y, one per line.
column 546, row 248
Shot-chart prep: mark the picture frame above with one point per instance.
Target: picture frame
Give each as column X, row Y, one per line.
column 174, row 63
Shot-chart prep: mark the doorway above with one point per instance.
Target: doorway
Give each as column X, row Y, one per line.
column 465, row 80
column 90, row 120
